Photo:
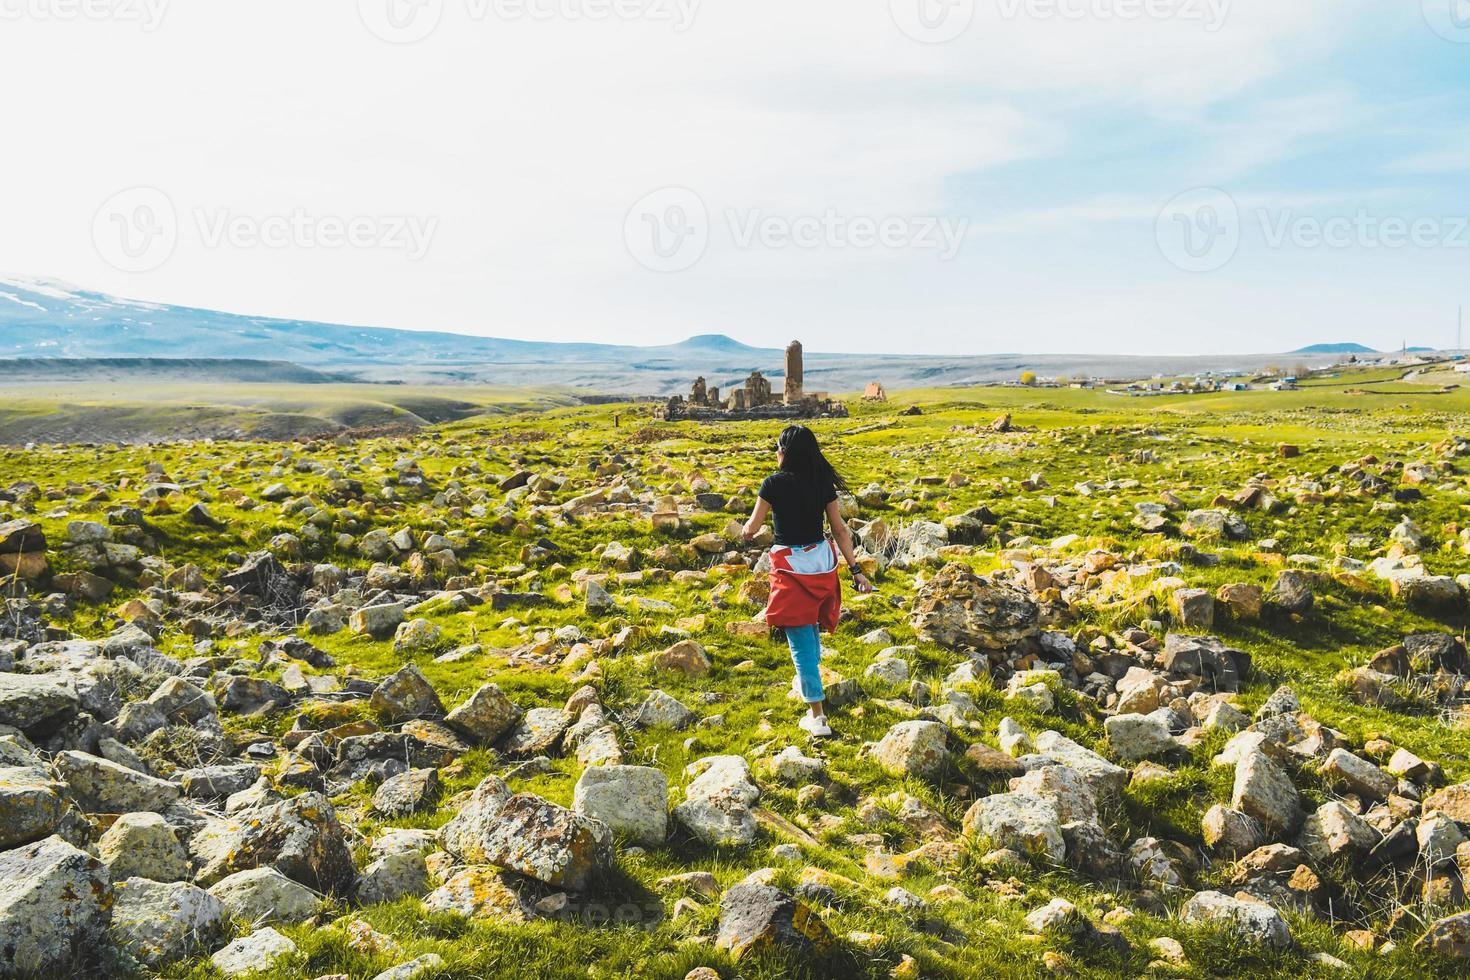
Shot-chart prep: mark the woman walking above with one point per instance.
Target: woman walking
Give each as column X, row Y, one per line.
column 806, row 594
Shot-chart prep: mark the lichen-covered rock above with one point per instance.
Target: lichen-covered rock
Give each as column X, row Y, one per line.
column 1106, row 778
column 263, row 949
column 405, row 695
column 685, row 657
column 633, row 801
column 1231, row 832
column 102, row 786
column 717, row 802
column 754, row 917
column 1358, row 774
column 914, row 748
column 1136, row 737
column 465, row 834
column 264, row 896
column 157, row 923
column 539, row 732
column 28, row 700
column 392, row 877
column 300, row 837
column 406, row 793
column 485, row 715
column 661, row 710
column 1449, row 936
column 143, row 845
column 54, row 902
column 549, row 843
column 479, row 893
column 1022, row 821
column 1335, row 831
column 960, row 610
column 1255, row 922
column 32, row 805
column 1264, row 791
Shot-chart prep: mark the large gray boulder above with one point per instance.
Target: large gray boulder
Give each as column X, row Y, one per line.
column 261, row 950
column 157, row 923
column 1263, row 790
column 913, row 748
column 102, row 786
column 1106, row 778
column 465, row 833
column 755, row 917
column 300, row 837
column 143, row 845
column 32, row 805
column 392, row 877
column 485, row 716
column 1255, row 922
column 29, row 700
column 264, row 896
column 53, row 906
column 718, row 801
column 547, row 842
column 633, row 801
column 960, row 610
column 1021, row 821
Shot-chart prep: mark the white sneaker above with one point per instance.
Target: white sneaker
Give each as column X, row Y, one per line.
column 814, row 726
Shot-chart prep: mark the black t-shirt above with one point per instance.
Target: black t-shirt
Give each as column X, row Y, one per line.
column 797, row 506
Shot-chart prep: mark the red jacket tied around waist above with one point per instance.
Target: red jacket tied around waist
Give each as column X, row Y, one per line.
column 801, row 596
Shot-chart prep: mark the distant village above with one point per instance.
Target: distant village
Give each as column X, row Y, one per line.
column 1271, row 379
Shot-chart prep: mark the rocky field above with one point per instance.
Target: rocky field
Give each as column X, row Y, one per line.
column 1167, row 687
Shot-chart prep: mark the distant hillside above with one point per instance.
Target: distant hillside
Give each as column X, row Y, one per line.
column 28, row 370
column 46, row 319
column 1335, row 349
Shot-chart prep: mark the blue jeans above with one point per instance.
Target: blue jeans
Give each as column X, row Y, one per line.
column 806, row 654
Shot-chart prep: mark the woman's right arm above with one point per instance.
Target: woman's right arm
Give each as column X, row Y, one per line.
column 757, row 519
column 843, row 537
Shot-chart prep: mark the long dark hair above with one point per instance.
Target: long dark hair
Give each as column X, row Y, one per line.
column 802, row 457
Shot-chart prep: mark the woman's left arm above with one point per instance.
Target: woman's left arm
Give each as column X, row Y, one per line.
column 843, row 537
column 757, row 519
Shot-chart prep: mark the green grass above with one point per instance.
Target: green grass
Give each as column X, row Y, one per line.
column 1195, row 446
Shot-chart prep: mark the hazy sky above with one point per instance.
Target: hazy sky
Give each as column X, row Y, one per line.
column 883, row 175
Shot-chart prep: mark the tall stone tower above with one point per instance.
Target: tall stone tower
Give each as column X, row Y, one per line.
column 793, row 373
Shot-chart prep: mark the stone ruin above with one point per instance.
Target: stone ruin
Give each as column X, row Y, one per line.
column 755, row 399
column 875, row 392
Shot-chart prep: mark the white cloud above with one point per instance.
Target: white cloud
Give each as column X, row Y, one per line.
column 529, row 141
